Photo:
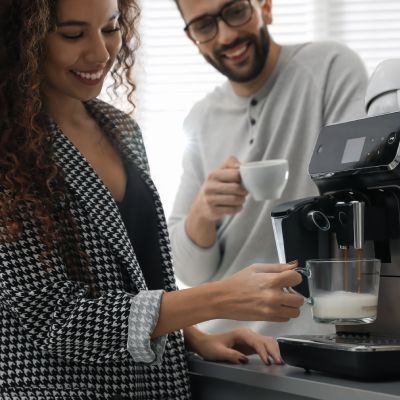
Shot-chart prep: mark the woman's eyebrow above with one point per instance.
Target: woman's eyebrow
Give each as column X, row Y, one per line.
column 73, row 22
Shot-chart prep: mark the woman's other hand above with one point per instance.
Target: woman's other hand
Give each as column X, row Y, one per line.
column 234, row 346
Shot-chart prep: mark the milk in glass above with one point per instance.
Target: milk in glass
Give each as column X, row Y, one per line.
column 341, row 304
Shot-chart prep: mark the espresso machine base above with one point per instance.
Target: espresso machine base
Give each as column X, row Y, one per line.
column 363, row 357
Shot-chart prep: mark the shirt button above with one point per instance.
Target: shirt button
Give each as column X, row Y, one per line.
column 252, row 121
column 251, row 141
column 253, row 102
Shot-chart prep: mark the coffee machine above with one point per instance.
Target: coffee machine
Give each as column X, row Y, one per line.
column 356, row 167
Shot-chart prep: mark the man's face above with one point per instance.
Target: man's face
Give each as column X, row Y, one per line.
column 239, row 53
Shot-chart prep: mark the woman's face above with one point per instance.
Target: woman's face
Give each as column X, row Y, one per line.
column 82, row 49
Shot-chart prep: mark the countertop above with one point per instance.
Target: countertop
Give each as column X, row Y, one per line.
column 254, row 381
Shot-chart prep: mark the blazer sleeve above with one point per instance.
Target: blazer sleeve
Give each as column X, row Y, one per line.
column 55, row 314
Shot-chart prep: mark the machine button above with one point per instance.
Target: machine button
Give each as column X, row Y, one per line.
column 319, row 220
column 392, row 138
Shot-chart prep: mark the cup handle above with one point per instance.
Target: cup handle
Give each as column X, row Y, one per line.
column 307, row 274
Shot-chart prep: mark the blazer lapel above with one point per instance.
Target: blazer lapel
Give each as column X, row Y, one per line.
column 96, row 200
column 126, row 135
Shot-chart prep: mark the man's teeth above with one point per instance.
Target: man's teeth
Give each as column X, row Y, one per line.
column 86, row 75
column 236, row 53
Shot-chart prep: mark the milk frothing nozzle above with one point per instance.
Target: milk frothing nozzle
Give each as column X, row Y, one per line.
column 358, row 223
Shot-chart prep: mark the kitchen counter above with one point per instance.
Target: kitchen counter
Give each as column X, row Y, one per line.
column 256, row 381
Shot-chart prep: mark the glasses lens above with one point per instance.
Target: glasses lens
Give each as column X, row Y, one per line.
column 203, row 29
column 237, row 13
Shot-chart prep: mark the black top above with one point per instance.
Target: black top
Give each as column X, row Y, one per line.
column 139, row 215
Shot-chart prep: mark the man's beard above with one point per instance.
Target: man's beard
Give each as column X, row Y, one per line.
column 261, row 45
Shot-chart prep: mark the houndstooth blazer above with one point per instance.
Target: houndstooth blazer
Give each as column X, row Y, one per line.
column 55, row 342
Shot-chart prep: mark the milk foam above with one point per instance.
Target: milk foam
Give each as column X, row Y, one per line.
column 343, row 304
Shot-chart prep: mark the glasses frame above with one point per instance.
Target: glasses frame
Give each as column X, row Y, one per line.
column 218, row 15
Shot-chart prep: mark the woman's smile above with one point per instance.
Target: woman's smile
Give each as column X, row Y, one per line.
column 90, row 77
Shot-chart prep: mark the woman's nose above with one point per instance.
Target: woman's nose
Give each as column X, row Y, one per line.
column 97, row 52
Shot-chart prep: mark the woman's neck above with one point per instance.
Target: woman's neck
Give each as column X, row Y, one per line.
column 66, row 110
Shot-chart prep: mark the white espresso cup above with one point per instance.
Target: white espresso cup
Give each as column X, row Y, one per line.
column 265, row 179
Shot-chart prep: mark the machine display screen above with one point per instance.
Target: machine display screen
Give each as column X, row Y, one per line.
column 353, row 150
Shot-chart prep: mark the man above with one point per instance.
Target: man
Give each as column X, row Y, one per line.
column 273, row 105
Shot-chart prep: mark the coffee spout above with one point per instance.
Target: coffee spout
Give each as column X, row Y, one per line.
column 358, row 224
column 350, row 225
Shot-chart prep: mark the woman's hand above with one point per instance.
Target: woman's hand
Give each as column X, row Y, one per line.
column 257, row 293
column 234, row 346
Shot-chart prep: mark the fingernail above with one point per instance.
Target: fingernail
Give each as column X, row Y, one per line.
column 293, row 262
column 244, row 360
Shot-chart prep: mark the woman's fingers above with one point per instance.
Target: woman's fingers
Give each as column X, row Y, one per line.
column 288, row 278
column 272, row 347
column 293, row 300
column 265, row 346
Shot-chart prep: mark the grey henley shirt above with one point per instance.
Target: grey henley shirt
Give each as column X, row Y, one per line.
column 312, row 85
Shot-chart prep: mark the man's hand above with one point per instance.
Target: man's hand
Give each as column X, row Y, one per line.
column 221, row 194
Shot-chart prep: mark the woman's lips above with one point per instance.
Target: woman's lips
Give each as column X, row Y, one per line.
column 90, row 78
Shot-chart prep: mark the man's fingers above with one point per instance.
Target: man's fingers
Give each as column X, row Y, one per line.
column 226, row 201
column 231, row 162
column 226, row 176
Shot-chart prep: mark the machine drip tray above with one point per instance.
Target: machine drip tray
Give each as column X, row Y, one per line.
column 360, row 356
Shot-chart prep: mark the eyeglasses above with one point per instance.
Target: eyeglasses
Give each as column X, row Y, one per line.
column 205, row 28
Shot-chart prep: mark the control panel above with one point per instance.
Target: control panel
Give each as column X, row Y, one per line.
column 361, row 146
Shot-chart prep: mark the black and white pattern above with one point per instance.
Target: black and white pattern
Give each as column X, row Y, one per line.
column 55, row 342
column 141, row 348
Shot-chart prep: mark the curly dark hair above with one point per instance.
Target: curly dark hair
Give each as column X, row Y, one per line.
column 29, row 178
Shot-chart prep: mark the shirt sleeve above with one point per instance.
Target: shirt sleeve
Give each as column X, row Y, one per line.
column 141, row 347
column 193, row 265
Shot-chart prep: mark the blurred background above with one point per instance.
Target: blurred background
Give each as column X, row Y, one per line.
column 171, row 75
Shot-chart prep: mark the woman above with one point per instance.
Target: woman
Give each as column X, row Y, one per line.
column 88, row 303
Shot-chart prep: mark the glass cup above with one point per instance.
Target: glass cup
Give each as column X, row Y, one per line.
column 343, row 292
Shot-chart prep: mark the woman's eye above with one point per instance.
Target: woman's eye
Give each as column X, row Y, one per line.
column 112, row 30
column 72, row 36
